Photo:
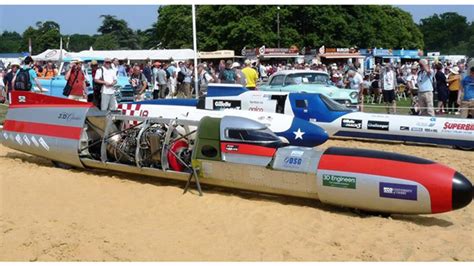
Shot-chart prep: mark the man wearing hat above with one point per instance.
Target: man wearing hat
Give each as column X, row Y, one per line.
column 76, row 78
column 228, row 75
column 466, row 95
column 238, row 71
column 251, row 75
column 454, row 84
column 106, row 76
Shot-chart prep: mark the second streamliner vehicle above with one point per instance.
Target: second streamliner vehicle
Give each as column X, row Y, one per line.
column 233, row 152
column 335, row 118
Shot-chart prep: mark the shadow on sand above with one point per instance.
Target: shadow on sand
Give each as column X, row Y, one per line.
column 248, row 195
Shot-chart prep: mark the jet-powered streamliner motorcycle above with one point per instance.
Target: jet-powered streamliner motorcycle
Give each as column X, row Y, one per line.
column 229, row 151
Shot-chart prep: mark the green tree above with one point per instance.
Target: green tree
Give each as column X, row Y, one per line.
column 125, row 37
column 233, row 27
column 45, row 36
column 10, row 42
column 78, row 42
column 174, row 27
column 446, row 33
column 106, row 42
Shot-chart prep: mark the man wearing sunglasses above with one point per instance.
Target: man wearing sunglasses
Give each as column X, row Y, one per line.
column 107, row 76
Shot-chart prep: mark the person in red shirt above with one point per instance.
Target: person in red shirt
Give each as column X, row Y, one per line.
column 76, row 78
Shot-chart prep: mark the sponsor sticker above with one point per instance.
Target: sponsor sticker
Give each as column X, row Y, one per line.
column 430, row 122
column 404, row 128
column 231, row 147
column 458, row 126
column 226, row 104
column 292, row 161
column 432, row 130
column 22, row 99
column 378, row 125
column 351, row 123
column 255, row 109
column 398, row 191
column 417, row 129
column 339, row 181
column 297, row 153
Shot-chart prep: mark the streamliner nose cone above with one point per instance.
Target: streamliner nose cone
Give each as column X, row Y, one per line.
column 462, row 191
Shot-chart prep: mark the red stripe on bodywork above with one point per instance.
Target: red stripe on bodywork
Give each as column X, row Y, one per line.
column 242, row 148
column 58, row 131
column 436, row 178
column 22, row 99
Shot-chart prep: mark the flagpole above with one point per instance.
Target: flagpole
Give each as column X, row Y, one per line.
column 195, row 53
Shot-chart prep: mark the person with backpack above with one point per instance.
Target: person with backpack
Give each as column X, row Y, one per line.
column 228, row 75
column 139, row 84
column 26, row 76
column 204, row 79
column 76, row 79
column 107, row 77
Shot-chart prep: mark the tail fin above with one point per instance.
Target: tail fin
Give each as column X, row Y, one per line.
column 19, row 99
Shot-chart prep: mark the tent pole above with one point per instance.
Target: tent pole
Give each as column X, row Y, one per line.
column 196, row 87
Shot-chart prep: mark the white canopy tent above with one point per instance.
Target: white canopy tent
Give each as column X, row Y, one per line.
column 175, row 54
column 52, row 55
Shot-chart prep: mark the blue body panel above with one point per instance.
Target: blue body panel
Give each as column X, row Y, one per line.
column 313, row 135
column 215, row 91
column 316, row 108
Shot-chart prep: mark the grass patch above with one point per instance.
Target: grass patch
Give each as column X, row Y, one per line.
column 380, row 108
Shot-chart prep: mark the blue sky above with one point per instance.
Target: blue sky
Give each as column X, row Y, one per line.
column 85, row 19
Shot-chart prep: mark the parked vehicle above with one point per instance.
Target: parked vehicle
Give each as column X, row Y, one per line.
column 310, row 81
column 55, row 85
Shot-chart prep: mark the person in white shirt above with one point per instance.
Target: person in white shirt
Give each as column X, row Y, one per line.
column 388, row 80
column 355, row 81
column 107, row 76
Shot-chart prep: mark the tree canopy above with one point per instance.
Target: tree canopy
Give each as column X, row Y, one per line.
column 448, row 33
column 234, row 27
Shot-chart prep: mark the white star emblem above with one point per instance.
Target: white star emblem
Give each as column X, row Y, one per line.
column 298, row 134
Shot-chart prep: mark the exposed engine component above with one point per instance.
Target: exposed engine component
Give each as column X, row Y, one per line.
column 123, row 147
column 179, row 155
column 143, row 146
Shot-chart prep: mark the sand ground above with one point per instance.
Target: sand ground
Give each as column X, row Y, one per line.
column 51, row 214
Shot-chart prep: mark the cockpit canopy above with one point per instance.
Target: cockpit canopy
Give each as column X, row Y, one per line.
column 240, row 129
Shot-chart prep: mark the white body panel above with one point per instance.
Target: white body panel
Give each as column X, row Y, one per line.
column 276, row 122
column 414, row 126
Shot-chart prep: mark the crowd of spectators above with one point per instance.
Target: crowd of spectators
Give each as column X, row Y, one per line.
column 433, row 88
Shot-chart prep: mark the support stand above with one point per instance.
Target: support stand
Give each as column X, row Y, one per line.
column 196, row 177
